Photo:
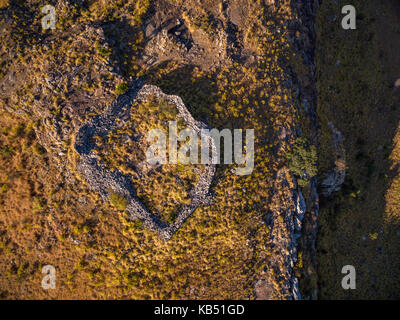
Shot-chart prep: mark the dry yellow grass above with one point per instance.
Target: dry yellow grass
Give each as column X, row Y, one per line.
column 50, row 216
column 4, row 3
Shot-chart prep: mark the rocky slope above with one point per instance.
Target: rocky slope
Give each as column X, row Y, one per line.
column 233, row 64
column 293, row 223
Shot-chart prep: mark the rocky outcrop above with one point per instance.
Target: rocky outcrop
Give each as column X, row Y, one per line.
column 105, row 182
column 335, row 178
column 176, row 35
column 288, row 208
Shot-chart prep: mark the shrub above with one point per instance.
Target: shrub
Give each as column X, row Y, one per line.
column 19, row 131
column 303, row 161
column 118, row 201
column 4, row 188
column 6, row 152
column 121, row 88
column 38, row 149
column 137, row 225
column 37, row 205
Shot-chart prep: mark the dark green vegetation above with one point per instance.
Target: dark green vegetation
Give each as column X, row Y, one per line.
column 118, row 201
column 303, row 161
column 359, row 225
column 121, row 88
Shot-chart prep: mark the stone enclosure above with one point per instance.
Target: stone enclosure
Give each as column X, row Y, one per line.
column 106, row 182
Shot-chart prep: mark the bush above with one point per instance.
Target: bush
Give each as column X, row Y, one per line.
column 137, row 225
column 303, row 161
column 38, row 205
column 6, row 152
column 118, row 201
column 19, row 131
column 121, row 88
column 4, row 188
column 38, row 149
